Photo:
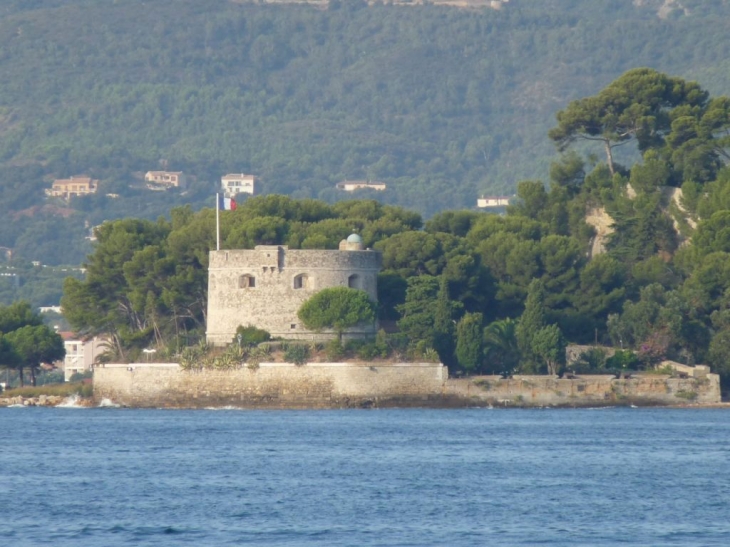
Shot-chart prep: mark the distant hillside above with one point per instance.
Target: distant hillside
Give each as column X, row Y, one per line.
column 441, row 104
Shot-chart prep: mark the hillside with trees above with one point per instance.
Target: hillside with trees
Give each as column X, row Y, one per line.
column 441, row 104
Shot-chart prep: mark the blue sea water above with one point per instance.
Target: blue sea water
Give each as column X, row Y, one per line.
column 109, row 477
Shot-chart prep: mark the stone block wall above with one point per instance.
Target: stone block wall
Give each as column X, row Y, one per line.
column 587, row 391
column 336, row 385
column 272, row 385
column 266, row 286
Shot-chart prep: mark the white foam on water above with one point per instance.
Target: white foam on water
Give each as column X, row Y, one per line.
column 108, row 403
column 16, row 406
column 223, row 408
column 71, row 402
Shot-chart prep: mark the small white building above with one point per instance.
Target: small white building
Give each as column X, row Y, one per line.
column 352, row 185
column 237, row 183
column 486, row 202
column 175, row 179
column 80, row 354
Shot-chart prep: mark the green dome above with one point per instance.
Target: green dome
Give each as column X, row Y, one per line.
column 354, row 238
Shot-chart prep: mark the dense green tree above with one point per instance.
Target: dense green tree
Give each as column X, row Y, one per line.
column 445, row 313
column 470, row 342
column 548, row 346
column 418, row 312
column 533, row 319
column 337, row 308
column 35, row 345
column 9, row 357
column 18, row 314
column 634, row 106
column 501, row 350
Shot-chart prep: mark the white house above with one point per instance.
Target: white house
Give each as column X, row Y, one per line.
column 352, row 185
column 486, row 202
column 166, row 178
column 80, row 354
column 237, row 183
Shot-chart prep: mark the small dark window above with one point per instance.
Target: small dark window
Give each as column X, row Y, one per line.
column 301, row 281
column 293, row 325
column 246, row 281
column 353, row 281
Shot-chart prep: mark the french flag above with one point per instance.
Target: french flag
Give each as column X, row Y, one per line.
column 226, row 204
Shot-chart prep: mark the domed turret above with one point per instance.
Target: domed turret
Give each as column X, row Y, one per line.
column 352, row 243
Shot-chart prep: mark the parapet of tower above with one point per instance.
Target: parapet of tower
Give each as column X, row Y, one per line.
column 266, row 286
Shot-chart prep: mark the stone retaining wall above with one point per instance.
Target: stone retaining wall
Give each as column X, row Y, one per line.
column 587, row 390
column 272, row 385
column 336, row 385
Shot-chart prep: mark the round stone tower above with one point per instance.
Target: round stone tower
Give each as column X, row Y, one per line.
column 266, row 286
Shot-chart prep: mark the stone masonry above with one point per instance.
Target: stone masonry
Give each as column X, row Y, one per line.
column 266, row 286
column 271, row 385
column 337, row 385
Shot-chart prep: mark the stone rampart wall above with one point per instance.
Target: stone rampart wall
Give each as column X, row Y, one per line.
column 335, row 385
column 586, row 391
column 272, row 385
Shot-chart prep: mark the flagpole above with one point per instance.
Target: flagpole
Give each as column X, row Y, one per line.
column 217, row 223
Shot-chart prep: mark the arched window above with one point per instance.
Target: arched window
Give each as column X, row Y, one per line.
column 246, row 281
column 354, row 281
column 301, row 281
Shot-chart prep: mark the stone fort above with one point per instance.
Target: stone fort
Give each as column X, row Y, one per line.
column 265, row 287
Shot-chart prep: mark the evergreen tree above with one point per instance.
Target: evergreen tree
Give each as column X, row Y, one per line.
column 531, row 321
column 444, row 324
column 548, row 347
column 470, row 342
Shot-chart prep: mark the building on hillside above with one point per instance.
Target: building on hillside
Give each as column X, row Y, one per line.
column 80, row 353
column 237, row 183
column 352, row 185
column 266, row 286
column 487, row 202
column 74, row 186
column 174, row 179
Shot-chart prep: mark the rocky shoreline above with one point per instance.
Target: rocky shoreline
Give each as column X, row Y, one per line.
column 86, row 402
column 45, row 400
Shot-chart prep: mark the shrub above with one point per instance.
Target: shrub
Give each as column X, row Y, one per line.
column 334, row 350
column 371, row 350
column 251, row 336
column 80, row 376
column 688, row 395
column 256, row 355
column 297, row 354
column 623, row 359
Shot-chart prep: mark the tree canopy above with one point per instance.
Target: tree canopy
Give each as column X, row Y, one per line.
column 337, row 308
column 25, row 342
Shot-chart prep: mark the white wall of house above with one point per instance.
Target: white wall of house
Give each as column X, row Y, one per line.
column 80, row 355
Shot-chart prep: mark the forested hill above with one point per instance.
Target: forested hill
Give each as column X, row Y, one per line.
column 442, row 104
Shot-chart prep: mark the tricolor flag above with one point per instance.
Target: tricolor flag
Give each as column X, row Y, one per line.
column 226, row 204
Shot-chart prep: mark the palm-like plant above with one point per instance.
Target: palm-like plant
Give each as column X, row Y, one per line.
column 502, row 354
